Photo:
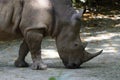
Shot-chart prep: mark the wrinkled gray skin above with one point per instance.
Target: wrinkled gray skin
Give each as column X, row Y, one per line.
column 35, row 19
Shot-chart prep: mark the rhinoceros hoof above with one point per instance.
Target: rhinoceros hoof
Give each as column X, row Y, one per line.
column 21, row 63
column 38, row 66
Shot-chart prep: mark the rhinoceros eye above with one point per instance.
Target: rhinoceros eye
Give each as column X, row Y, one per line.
column 76, row 45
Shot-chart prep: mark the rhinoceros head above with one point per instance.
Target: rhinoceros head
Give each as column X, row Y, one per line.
column 69, row 45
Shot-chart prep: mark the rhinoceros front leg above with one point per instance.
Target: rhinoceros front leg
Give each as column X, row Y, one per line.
column 34, row 39
column 23, row 51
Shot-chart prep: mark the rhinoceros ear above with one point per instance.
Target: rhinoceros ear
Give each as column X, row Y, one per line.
column 76, row 17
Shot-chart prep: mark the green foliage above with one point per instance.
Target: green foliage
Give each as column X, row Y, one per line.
column 52, row 78
column 61, row 76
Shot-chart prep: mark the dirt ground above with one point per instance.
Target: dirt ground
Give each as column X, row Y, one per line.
column 101, row 32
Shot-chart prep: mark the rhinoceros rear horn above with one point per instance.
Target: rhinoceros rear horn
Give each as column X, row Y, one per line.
column 89, row 56
column 76, row 17
column 85, row 44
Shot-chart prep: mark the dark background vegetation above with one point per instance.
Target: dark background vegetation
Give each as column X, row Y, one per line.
column 99, row 14
column 97, row 5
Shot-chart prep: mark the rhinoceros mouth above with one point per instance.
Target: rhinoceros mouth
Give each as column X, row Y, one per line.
column 73, row 66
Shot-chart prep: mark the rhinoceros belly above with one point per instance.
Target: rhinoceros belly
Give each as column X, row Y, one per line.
column 4, row 36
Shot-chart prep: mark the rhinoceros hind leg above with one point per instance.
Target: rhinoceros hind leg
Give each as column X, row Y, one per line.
column 23, row 51
column 34, row 39
column 21, row 63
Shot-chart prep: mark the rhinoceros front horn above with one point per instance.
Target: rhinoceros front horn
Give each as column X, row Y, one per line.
column 88, row 56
